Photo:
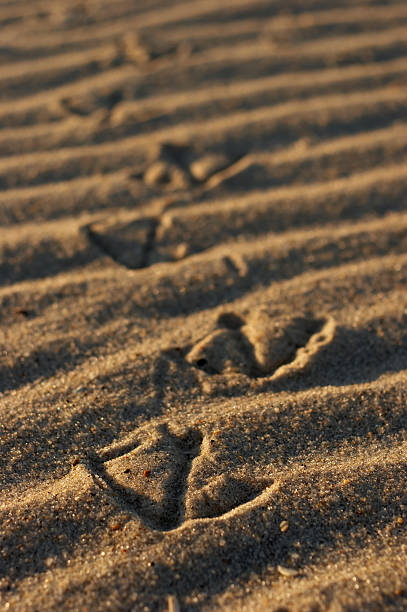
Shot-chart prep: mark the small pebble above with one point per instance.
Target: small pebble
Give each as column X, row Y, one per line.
column 116, row 527
column 287, row 571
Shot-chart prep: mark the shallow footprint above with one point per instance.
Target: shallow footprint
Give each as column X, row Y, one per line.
column 128, row 243
column 168, row 168
column 261, row 346
column 275, row 340
column 152, row 478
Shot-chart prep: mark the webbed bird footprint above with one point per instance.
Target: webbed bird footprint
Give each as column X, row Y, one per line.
column 151, row 479
column 127, row 242
column 262, row 346
column 165, row 479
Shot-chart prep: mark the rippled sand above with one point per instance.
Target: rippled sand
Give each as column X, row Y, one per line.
column 203, row 305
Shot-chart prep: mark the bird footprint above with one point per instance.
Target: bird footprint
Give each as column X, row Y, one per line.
column 151, row 479
column 262, row 346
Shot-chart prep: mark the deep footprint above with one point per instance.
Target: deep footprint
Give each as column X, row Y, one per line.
column 129, row 244
column 257, row 348
column 152, row 478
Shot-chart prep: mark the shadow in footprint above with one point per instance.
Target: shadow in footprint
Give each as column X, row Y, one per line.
column 151, row 479
column 129, row 244
column 223, row 494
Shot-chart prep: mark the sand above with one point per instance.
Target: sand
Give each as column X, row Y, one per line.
column 203, row 305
